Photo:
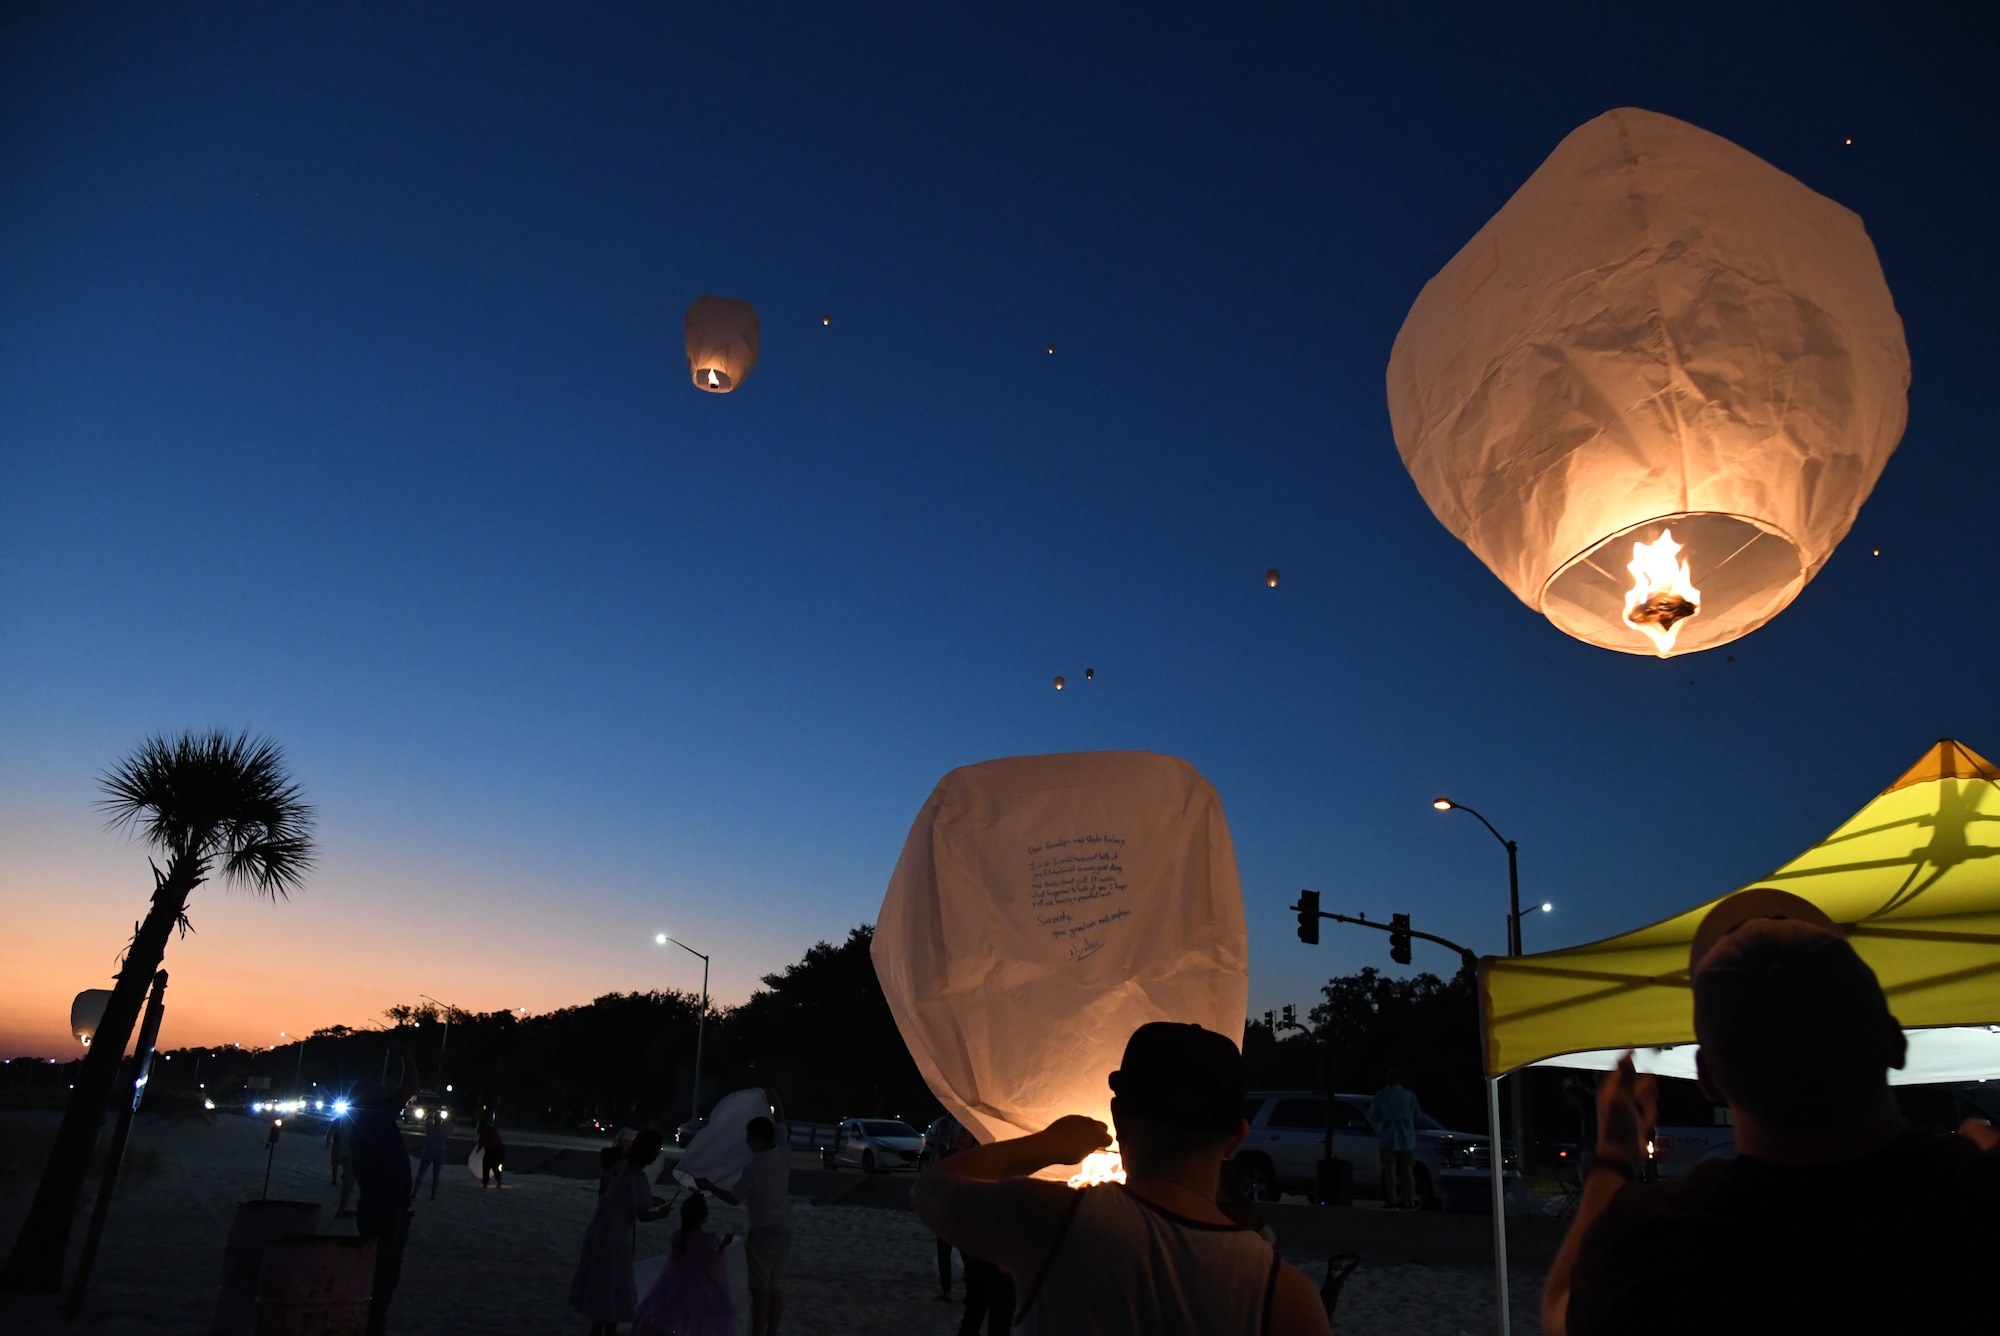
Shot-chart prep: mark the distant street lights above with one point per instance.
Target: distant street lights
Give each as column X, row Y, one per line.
column 701, row 1025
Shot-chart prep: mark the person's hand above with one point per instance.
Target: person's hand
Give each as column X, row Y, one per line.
column 1070, row 1138
column 1627, row 1105
column 1981, row 1134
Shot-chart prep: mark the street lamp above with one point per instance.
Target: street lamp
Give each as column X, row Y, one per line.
column 1513, row 874
column 446, row 1009
column 1518, row 1093
column 701, row 1025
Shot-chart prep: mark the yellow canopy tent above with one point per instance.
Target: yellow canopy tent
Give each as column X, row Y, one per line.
column 1913, row 878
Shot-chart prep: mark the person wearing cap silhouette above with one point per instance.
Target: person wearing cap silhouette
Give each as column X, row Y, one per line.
column 1153, row 1255
column 1834, row 1216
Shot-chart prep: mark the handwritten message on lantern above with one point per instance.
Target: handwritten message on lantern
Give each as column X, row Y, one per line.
column 1065, row 879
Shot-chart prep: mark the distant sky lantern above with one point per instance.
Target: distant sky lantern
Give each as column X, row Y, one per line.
column 86, row 1011
column 1059, row 684
column 1089, row 673
column 1653, row 391
column 1271, row 577
column 1043, row 909
column 826, row 319
column 722, row 343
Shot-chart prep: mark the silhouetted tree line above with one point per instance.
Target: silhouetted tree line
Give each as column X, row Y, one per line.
column 820, row 1033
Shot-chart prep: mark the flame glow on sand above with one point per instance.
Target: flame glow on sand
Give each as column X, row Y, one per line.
column 1100, row 1166
column 1662, row 595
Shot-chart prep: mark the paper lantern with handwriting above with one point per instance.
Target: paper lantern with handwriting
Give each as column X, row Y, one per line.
column 1044, row 908
column 722, row 343
column 1652, row 392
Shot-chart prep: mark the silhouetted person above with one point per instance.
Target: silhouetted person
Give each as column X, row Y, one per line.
column 952, row 1138
column 437, row 1135
column 382, row 1171
column 765, row 1192
column 1153, row 1255
column 603, row 1289
column 691, row 1297
column 1834, row 1216
column 1393, row 1115
column 492, row 1154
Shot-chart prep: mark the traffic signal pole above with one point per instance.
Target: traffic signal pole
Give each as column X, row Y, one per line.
column 1310, row 914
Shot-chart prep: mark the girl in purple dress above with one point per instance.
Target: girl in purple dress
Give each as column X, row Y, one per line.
column 690, row 1298
column 602, row 1289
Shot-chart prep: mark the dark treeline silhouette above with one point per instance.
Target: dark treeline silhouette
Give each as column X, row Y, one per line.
column 819, row 1033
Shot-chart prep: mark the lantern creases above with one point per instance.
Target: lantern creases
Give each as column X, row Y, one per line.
column 1661, row 341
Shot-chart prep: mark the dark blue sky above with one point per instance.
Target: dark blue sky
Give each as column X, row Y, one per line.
column 342, row 397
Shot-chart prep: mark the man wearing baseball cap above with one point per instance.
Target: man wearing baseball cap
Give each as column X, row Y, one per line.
column 1153, row 1255
column 1835, row 1215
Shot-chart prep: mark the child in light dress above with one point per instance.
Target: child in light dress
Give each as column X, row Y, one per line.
column 690, row 1298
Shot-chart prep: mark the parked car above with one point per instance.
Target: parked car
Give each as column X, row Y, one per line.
column 1288, row 1137
column 685, row 1132
column 874, row 1145
column 1679, row 1145
column 937, row 1139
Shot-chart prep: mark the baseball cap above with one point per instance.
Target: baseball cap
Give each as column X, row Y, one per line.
column 1182, row 1076
column 1759, row 902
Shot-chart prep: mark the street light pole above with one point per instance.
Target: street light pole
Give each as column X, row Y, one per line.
column 701, row 1024
column 1517, row 1095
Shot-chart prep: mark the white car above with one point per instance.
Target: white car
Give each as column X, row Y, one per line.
column 1288, row 1137
column 874, row 1146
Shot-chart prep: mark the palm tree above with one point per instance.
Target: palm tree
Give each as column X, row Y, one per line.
column 203, row 801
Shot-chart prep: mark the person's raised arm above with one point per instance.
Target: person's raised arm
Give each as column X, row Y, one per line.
column 982, row 1200
column 1627, row 1104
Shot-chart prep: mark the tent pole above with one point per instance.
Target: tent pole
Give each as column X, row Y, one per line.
column 1497, row 1162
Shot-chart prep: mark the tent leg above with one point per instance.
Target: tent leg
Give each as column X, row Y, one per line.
column 1498, row 1163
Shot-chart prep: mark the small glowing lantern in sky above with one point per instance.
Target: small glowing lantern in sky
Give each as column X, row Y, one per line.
column 1271, row 578
column 826, row 319
column 1652, row 392
column 1044, row 908
column 1089, row 673
column 1059, row 684
column 86, row 1012
column 722, row 343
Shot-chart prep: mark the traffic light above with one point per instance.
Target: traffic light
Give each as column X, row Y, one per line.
column 1308, row 907
column 1291, row 1017
column 1399, row 938
column 1270, row 1020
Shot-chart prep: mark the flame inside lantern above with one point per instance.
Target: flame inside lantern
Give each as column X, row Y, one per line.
column 1100, row 1166
column 1662, row 595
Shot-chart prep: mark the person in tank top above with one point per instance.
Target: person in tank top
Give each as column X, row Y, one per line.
column 1153, row 1255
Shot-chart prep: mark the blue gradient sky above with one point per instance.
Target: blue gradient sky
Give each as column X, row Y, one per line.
column 342, row 398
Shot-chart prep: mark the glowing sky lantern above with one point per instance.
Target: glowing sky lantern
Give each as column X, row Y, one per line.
column 1044, row 908
column 1059, row 684
column 722, row 343
column 1271, row 578
column 86, row 1011
column 1652, row 392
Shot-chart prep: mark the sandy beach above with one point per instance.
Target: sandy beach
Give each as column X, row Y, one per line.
column 483, row 1261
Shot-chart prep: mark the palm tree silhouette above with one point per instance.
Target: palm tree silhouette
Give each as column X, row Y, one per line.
column 204, row 801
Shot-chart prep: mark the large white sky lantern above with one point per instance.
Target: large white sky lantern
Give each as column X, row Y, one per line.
column 722, row 343
column 1653, row 391
column 1043, row 909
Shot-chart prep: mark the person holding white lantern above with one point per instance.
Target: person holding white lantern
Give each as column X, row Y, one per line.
column 1153, row 1254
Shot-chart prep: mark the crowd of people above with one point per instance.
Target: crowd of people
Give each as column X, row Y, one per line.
column 1834, row 1215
